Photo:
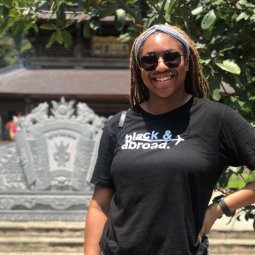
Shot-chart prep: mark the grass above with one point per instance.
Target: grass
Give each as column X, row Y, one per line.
column 237, row 181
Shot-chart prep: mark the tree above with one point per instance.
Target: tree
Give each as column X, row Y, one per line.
column 223, row 31
column 13, row 48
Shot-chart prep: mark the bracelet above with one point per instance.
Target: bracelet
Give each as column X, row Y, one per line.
column 223, row 205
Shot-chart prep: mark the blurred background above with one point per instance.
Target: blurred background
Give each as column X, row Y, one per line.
column 64, row 70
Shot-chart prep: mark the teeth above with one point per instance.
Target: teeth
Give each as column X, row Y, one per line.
column 164, row 78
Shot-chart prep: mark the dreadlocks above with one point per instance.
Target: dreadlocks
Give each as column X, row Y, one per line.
column 195, row 82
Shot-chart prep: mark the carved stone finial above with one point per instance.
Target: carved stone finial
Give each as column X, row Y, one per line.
column 63, row 109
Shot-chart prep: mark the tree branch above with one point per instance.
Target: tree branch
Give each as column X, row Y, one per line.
column 223, row 88
column 186, row 17
column 157, row 10
column 138, row 20
column 162, row 7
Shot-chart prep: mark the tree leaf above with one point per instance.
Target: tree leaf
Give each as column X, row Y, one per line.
column 148, row 22
column 215, row 94
column 208, row 19
column 204, row 58
column 86, row 30
column 51, row 40
column 243, row 15
column 214, row 85
column 229, row 66
column 40, row 3
column 67, row 39
column 87, row 4
column 59, row 37
column 94, row 23
column 169, row 5
column 3, row 26
column 217, row 2
column 214, row 81
column 217, row 32
column 197, row 10
column 5, row 12
column 95, row 3
column 11, row 21
column 224, row 178
column 119, row 20
column 35, row 27
column 237, row 170
column 208, row 32
column 61, row 16
column 49, row 26
column 69, row 23
column 27, row 27
column 8, row 3
column 207, row 71
column 160, row 20
column 107, row 11
column 16, row 27
column 247, row 57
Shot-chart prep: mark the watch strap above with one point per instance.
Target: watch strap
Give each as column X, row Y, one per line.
column 223, row 206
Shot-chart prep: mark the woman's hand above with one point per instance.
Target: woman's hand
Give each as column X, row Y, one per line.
column 212, row 213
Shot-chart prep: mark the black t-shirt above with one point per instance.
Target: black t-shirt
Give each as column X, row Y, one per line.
column 163, row 169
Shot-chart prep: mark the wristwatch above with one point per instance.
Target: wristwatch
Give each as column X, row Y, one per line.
column 223, row 205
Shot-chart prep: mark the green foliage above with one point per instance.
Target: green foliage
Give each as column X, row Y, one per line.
column 11, row 47
column 119, row 19
column 223, row 31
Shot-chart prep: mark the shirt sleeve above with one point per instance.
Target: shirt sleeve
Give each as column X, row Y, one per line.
column 102, row 172
column 237, row 140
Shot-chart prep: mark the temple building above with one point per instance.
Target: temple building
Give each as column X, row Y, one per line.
column 94, row 71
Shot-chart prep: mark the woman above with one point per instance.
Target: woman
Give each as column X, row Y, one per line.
column 154, row 177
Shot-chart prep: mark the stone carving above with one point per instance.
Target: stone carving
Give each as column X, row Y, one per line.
column 50, row 154
column 61, row 155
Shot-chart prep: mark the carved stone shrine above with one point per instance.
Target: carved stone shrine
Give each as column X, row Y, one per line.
column 45, row 173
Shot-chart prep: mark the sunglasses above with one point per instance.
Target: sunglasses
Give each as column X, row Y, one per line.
column 150, row 63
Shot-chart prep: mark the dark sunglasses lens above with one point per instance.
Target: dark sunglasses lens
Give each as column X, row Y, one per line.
column 172, row 59
column 149, row 63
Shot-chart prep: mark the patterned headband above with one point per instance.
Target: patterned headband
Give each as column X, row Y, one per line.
column 164, row 29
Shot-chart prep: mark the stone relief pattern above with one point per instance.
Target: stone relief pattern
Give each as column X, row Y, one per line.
column 41, row 163
column 12, row 175
column 39, row 115
column 81, row 164
column 11, row 172
column 29, row 202
column 61, row 110
column 86, row 115
column 61, row 183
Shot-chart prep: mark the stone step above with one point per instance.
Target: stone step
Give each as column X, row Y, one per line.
column 67, row 238
column 68, row 244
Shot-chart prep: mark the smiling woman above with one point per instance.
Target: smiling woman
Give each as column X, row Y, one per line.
column 154, row 177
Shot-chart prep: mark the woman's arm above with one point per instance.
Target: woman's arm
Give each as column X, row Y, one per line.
column 234, row 201
column 96, row 218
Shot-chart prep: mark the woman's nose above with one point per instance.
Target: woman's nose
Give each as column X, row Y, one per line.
column 161, row 65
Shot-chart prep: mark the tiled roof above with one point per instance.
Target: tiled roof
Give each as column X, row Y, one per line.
column 67, row 81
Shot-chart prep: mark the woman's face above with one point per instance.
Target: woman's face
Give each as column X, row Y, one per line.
column 157, row 44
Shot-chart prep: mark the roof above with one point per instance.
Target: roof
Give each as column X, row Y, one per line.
column 114, row 82
column 66, row 81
